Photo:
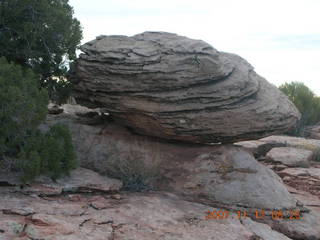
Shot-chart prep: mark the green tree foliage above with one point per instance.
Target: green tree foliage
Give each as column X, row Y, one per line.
column 39, row 34
column 32, row 168
column 51, row 153
column 305, row 100
column 58, row 151
column 23, row 106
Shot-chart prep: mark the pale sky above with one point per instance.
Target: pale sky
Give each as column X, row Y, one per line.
column 280, row 38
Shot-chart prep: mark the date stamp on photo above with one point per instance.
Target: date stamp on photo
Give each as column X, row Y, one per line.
column 258, row 214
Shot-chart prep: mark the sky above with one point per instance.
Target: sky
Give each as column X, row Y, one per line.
column 280, row 38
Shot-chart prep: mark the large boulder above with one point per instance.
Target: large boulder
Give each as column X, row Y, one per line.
column 172, row 87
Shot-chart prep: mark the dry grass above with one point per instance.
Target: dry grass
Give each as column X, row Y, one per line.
column 136, row 168
column 313, row 148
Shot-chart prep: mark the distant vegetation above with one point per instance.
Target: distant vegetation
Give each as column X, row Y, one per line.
column 306, row 101
column 38, row 41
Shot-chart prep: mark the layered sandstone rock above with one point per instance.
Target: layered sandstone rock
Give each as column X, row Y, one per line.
column 172, row 87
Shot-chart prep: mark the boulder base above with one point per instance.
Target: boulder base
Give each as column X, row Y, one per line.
column 225, row 175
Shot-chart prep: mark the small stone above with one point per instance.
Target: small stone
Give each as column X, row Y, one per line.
column 74, row 197
column 286, row 178
column 279, row 167
column 116, row 196
column 55, row 109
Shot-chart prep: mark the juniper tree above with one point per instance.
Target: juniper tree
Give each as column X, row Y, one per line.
column 41, row 35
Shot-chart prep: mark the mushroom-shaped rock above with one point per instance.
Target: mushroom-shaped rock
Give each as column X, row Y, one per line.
column 168, row 86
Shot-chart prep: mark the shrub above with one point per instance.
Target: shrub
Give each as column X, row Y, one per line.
column 23, row 106
column 306, row 102
column 57, row 151
column 51, row 153
column 31, row 167
column 130, row 167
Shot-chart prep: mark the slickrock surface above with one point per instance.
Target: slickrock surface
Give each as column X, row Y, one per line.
column 303, row 183
column 172, row 87
column 160, row 216
column 307, row 179
column 153, row 215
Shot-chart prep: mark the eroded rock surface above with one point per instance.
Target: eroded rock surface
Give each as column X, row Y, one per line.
column 306, row 228
column 312, row 131
column 289, row 141
column 262, row 146
column 263, row 231
column 172, row 87
column 289, row 156
column 79, row 180
column 307, row 179
column 135, row 216
column 220, row 174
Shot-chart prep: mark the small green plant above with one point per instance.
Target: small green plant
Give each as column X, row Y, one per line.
column 132, row 168
column 32, row 168
column 59, row 151
column 51, row 153
column 20, row 229
column 17, row 228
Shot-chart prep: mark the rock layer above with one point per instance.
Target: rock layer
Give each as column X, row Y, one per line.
column 169, row 86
